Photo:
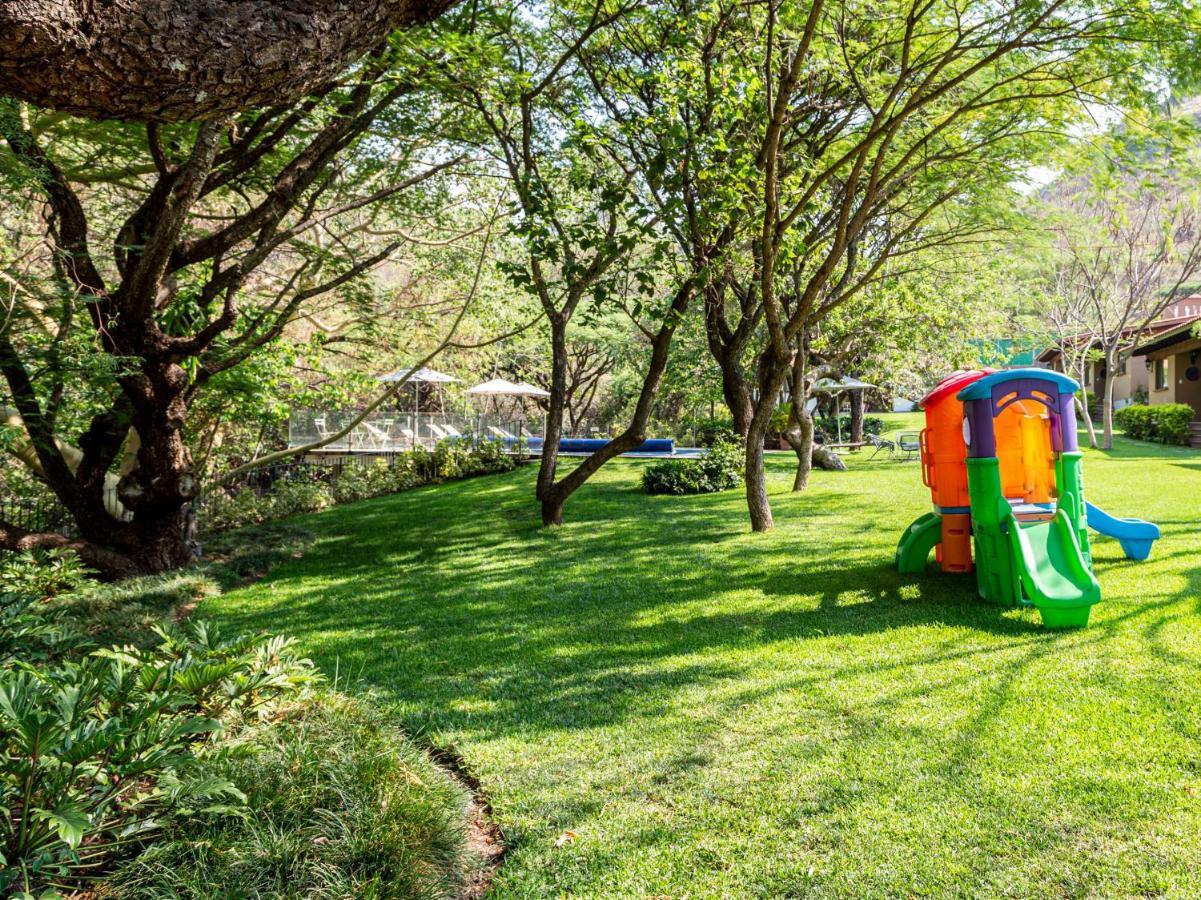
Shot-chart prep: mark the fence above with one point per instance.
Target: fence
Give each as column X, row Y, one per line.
column 45, row 515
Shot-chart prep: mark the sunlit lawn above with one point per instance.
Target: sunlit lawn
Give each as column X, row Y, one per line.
column 715, row 713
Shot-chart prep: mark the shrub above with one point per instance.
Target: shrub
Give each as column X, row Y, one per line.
column 705, row 431
column 303, row 490
column 344, row 806
column 1172, row 422
column 829, row 425
column 32, row 632
column 1135, row 421
column 223, row 509
column 718, row 470
column 95, row 752
column 42, row 573
column 1167, row 423
column 295, row 497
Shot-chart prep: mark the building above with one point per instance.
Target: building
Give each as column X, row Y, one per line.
column 1172, row 360
column 1136, row 375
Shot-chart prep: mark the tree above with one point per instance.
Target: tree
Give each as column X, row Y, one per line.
column 179, row 60
column 213, row 256
column 843, row 131
column 1127, row 224
column 588, row 238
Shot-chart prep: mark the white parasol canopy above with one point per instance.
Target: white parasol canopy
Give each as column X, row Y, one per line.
column 424, row 374
column 495, row 387
column 837, row 385
column 530, row 390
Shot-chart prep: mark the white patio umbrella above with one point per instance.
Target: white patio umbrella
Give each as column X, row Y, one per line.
column 838, row 386
column 497, row 387
column 531, row 390
column 423, row 375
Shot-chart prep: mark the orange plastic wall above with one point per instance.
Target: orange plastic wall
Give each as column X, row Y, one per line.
column 1023, row 437
column 1026, row 462
column 944, row 455
column 954, row 553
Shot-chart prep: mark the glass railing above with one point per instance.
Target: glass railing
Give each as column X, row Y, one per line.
column 396, row 431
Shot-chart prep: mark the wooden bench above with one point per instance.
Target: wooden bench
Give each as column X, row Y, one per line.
column 853, row 446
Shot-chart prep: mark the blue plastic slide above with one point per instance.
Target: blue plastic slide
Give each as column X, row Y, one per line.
column 1135, row 535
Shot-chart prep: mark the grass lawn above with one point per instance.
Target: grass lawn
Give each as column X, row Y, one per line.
column 716, row 713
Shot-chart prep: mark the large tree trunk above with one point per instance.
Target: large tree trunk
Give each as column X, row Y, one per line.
column 856, row 399
column 552, row 506
column 773, row 374
column 755, row 476
column 809, row 454
column 163, row 482
column 178, row 60
column 799, row 433
column 726, row 347
column 800, row 438
column 557, row 493
column 737, row 394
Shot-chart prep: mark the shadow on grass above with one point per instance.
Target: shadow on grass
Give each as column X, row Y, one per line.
column 605, row 619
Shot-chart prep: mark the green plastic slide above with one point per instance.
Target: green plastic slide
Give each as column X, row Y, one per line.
column 1054, row 573
column 913, row 551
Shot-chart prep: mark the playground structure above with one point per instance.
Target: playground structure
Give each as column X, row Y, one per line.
column 1000, row 457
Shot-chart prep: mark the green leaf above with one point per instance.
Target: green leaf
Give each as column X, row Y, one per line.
column 71, row 823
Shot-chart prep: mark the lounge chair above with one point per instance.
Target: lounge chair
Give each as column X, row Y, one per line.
column 909, row 445
column 881, row 445
column 378, row 437
column 451, row 431
column 500, row 433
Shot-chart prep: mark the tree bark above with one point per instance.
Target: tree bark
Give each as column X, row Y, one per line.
column 856, row 417
column 737, row 394
column 773, row 375
column 808, row 453
column 552, row 506
column 180, row 60
column 755, row 476
column 1107, row 402
column 1082, row 407
column 557, row 493
column 799, row 432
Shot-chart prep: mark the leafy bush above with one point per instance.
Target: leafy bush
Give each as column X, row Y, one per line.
column 1135, row 421
column 295, row 497
column 31, row 632
column 718, row 470
column 344, row 806
column 95, row 752
column 1166, row 423
column 302, row 491
column 705, row 431
column 829, row 425
column 42, row 573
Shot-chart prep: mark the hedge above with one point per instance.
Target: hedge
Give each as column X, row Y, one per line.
column 1166, row 423
column 718, row 470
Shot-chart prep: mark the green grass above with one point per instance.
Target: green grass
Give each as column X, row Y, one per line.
column 717, row 713
column 339, row 805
